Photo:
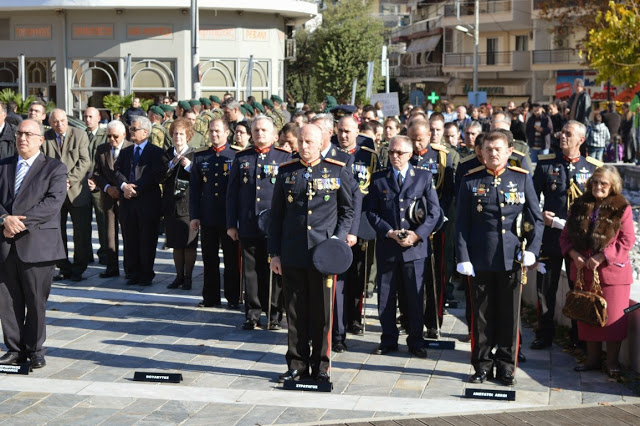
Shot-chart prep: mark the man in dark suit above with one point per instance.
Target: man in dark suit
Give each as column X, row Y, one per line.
column 7, row 134
column 97, row 136
column 402, row 247
column 139, row 171
column 107, row 183
column 33, row 188
column 207, row 208
column 311, row 203
column 71, row 146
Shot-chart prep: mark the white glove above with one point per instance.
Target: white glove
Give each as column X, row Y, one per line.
column 465, row 268
column 529, row 258
column 558, row 223
column 541, row 268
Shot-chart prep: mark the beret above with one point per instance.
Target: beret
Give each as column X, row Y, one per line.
column 166, row 108
column 205, row 101
column 194, row 102
column 249, row 109
column 214, row 98
column 258, row 106
column 268, row 103
column 157, row 110
column 184, row 105
column 276, row 98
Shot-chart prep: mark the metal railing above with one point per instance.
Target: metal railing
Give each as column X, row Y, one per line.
column 425, row 25
column 465, row 60
column 556, row 56
column 486, row 6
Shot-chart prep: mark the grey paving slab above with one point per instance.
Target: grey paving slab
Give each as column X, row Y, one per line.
column 260, row 415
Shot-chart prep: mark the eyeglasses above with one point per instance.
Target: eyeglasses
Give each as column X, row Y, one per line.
column 399, row 153
column 134, row 129
column 113, row 136
column 601, row 183
column 27, row 134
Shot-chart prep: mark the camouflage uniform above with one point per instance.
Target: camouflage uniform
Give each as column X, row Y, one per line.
column 160, row 137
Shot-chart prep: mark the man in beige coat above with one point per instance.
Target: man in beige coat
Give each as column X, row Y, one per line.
column 71, row 146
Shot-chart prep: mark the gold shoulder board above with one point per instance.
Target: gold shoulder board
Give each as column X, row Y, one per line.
column 474, row 170
column 518, row 169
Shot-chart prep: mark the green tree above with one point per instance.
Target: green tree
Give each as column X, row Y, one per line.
column 7, row 95
column 300, row 76
column 612, row 47
column 348, row 38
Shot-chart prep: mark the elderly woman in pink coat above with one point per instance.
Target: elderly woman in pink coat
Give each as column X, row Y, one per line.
column 598, row 235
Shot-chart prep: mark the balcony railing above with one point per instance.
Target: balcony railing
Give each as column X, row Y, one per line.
column 429, row 70
column 417, row 27
column 486, row 6
column 556, row 56
column 463, row 60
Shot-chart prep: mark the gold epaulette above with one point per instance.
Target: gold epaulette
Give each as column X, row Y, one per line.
column 520, row 153
column 366, row 148
column 546, row 157
column 201, row 149
column 518, row 169
column 467, row 158
column 476, row 169
column 292, row 161
column 595, row 162
column 281, row 149
column 236, row 147
column 333, row 161
column 439, row 147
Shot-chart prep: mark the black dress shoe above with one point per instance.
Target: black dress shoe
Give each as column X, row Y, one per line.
column 540, row 344
column 133, row 281
column 233, row 306
column 38, row 361
column 102, row 261
column 250, row 325
column 292, row 375
column 339, row 347
column 76, row 278
column 176, row 283
column 129, row 276
column 431, row 333
column 418, row 352
column 322, row 377
column 106, row 274
column 61, row 277
column 186, row 284
column 12, row 358
column 274, row 325
column 480, row 376
column 579, row 368
column 357, row 329
column 144, row 283
column 507, row 379
column 521, row 356
column 384, row 349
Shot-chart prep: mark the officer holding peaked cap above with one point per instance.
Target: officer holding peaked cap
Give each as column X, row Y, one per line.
column 311, row 207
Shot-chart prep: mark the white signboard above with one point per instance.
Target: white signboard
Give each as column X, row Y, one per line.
column 390, row 105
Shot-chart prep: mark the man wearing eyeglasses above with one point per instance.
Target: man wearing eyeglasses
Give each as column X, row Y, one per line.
column 561, row 177
column 107, row 183
column 71, row 146
column 402, row 247
column 139, row 171
column 33, row 188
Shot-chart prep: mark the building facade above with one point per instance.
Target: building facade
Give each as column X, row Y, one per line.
column 77, row 51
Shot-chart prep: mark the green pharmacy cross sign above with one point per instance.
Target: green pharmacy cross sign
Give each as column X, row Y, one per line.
column 433, row 97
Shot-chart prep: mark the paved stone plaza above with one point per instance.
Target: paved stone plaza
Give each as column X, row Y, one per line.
column 101, row 331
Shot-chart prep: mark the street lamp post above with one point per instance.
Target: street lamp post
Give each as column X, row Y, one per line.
column 476, row 38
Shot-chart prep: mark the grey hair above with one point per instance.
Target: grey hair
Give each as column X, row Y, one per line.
column 578, row 125
column 144, row 122
column 324, row 121
column 402, row 139
column 260, row 117
column 473, row 124
column 117, row 126
column 579, row 82
column 230, row 103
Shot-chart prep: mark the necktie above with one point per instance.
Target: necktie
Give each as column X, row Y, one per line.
column 23, row 168
column 90, row 134
column 399, row 180
column 136, row 158
column 59, row 137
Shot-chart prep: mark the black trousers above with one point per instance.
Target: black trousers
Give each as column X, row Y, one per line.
column 111, row 217
column 255, row 269
column 140, row 236
column 102, row 231
column 212, row 238
column 356, row 283
column 495, row 322
column 409, row 276
column 309, row 318
column 435, row 306
column 547, row 286
column 24, row 285
column 82, row 251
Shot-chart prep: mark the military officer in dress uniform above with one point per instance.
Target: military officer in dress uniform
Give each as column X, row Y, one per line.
column 561, row 178
column 402, row 246
column 488, row 247
column 207, row 209
column 310, row 204
column 253, row 177
column 442, row 164
column 501, row 122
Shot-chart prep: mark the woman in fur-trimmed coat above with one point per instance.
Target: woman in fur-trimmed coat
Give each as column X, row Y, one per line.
column 599, row 234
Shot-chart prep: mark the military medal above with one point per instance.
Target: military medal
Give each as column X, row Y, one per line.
column 479, row 208
column 310, row 192
column 326, row 197
column 554, row 186
column 204, row 179
column 290, row 198
column 325, row 173
column 571, row 167
column 245, row 180
column 496, row 181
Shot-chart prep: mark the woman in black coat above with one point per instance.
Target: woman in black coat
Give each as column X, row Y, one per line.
column 175, row 204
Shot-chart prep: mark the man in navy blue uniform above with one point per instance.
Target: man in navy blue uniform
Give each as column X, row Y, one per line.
column 350, row 285
column 442, row 164
column 310, row 204
column 253, row 177
column 561, row 177
column 207, row 209
column 402, row 248
column 491, row 199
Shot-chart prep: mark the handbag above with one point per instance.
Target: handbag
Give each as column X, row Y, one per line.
column 181, row 186
column 589, row 307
